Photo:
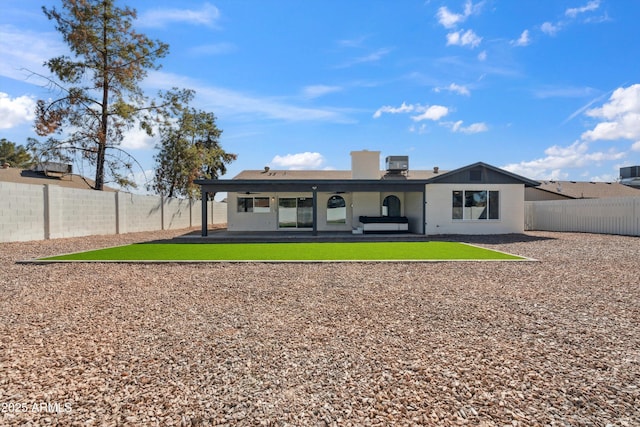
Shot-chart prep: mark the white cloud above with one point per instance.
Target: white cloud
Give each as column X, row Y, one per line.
column 449, row 19
column 589, row 7
column 137, row 139
column 472, row 128
column 549, row 28
column 460, row 90
column 356, row 42
column 372, row 57
column 298, row 161
column 208, row 15
column 16, row 111
column 434, row 112
column 23, row 52
column 621, row 115
column 466, row 38
column 422, row 129
column 482, row 56
column 315, row 91
column 212, row 49
column 229, row 102
column 524, row 39
column 404, row 108
column 558, row 158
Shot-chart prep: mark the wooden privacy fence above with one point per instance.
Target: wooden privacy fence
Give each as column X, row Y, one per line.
column 619, row 215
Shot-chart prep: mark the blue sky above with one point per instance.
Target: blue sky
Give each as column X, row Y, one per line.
column 546, row 89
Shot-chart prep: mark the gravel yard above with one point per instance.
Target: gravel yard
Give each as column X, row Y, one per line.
column 554, row 342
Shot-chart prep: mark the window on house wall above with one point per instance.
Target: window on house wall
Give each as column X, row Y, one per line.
column 336, row 210
column 475, row 205
column 261, row 205
column 245, row 204
column 253, row 204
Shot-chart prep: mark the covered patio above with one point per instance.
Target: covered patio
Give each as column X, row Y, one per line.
column 312, row 187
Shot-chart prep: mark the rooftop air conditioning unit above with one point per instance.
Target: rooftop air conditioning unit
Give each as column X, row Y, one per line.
column 630, row 176
column 630, row 172
column 54, row 168
column 397, row 163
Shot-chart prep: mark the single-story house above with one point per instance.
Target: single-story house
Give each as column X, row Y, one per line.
column 475, row 199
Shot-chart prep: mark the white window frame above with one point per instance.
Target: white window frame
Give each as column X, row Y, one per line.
column 466, row 209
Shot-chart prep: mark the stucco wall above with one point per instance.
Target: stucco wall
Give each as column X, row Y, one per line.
column 413, row 211
column 365, row 204
column 439, row 209
column 251, row 221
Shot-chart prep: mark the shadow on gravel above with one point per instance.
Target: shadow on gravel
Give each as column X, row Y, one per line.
column 494, row 239
column 224, row 236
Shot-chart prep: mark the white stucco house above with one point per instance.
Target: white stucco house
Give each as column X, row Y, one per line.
column 474, row 199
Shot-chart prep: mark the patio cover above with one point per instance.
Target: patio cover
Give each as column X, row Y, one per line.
column 306, row 185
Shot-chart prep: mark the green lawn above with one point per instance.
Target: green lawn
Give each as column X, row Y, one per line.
column 333, row 251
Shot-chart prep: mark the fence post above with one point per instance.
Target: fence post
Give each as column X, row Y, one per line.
column 117, row 202
column 161, row 212
column 47, row 213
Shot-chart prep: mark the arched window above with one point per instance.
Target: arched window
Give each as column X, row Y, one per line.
column 391, row 206
column 336, row 210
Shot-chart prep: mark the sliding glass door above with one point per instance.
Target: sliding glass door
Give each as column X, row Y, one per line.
column 295, row 212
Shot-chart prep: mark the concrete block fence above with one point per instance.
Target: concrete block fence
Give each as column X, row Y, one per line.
column 38, row 212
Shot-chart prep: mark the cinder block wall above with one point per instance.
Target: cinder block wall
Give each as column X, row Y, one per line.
column 74, row 212
column 218, row 213
column 37, row 212
column 177, row 213
column 138, row 213
column 22, row 210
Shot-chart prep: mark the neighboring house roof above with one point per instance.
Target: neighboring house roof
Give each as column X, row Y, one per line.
column 25, row 176
column 588, row 190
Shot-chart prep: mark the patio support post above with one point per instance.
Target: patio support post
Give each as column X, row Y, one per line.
column 315, row 210
column 424, row 211
column 205, row 221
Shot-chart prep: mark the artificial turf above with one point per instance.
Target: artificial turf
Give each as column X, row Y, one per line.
column 329, row 251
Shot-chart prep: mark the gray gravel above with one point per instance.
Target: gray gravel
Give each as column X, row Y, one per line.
column 554, row 342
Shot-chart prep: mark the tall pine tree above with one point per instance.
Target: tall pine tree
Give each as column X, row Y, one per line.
column 99, row 85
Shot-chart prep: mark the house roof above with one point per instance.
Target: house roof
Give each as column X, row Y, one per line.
column 25, row 176
column 588, row 190
column 482, row 173
column 325, row 174
column 335, row 181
